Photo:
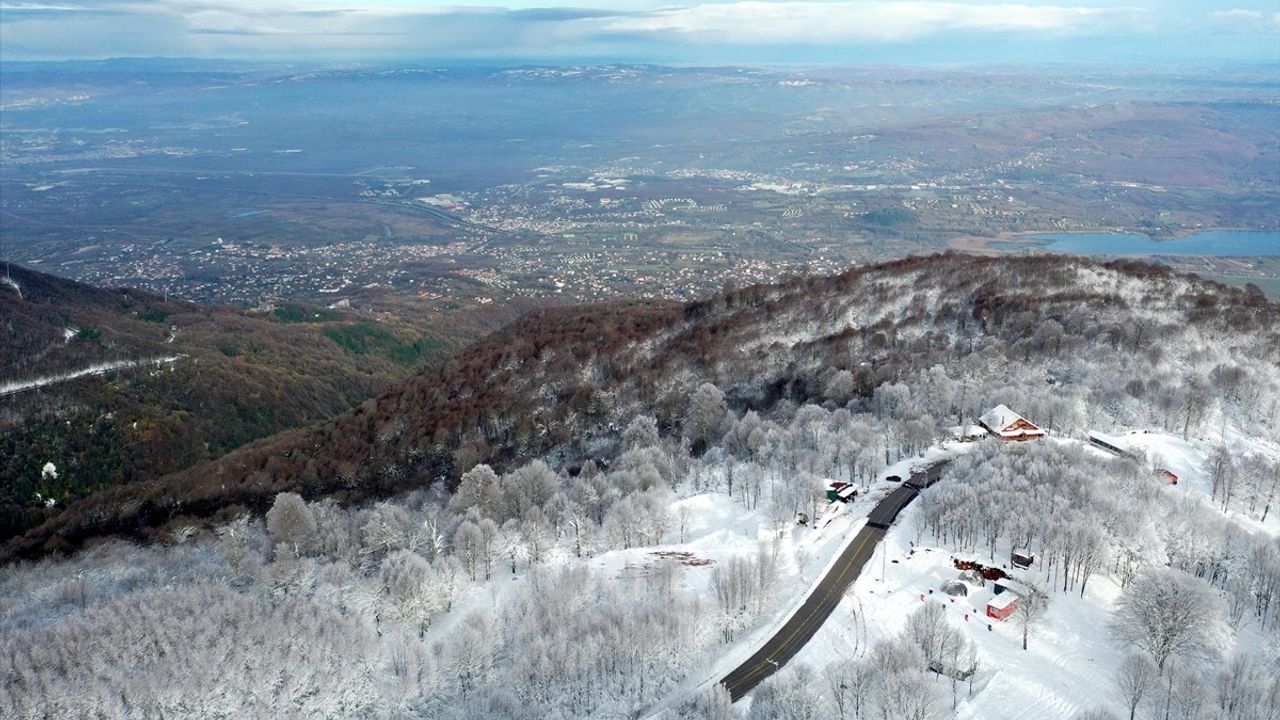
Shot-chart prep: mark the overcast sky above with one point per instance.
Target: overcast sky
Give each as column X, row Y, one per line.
column 763, row 31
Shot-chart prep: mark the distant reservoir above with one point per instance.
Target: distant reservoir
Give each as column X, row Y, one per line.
column 1209, row 243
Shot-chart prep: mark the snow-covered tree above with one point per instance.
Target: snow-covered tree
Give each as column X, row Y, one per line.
column 1136, row 676
column 291, row 524
column 1033, row 603
column 478, row 488
column 406, row 580
column 641, row 433
column 1168, row 613
column 704, row 415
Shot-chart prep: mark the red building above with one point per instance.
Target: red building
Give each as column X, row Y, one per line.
column 1002, row 605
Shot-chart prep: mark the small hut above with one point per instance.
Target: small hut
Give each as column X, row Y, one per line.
column 1002, row 606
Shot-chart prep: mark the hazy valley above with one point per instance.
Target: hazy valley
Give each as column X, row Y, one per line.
column 482, row 388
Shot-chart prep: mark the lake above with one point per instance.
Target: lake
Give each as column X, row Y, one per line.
column 1216, row 243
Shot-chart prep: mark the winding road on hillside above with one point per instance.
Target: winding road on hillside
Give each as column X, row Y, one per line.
column 826, row 595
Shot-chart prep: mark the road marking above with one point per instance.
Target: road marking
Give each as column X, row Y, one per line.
column 827, row 596
column 870, row 531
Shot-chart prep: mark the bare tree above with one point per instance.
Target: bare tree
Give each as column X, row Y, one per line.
column 706, row 411
column 840, row 693
column 1167, row 613
column 683, row 516
column 467, row 546
column 1136, row 676
column 1195, row 403
column 927, row 628
column 960, row 661
column 1032, row 605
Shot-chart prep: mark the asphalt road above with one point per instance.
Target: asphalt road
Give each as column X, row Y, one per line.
column 820, row 603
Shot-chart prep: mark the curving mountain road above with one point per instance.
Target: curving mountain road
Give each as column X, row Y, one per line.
column 820, row 603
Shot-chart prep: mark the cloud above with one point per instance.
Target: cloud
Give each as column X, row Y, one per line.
column 625, row 28
column 565, row 14
column 819, row 22
column 17, row 12
column 287, row 32
column 1243, row 20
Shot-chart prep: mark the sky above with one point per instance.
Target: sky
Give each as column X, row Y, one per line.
column 666, row 31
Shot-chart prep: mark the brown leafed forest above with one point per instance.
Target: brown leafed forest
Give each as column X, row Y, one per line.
column 557, row 383
column 237, row 376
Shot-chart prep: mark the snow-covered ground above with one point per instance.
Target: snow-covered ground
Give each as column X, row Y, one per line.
column 1071, row 650
column 719, row 529
column 17, row 386
column 1191, row 462
column 821, row 545
column 12, row 284
column 818, row 546
column 1073, row 654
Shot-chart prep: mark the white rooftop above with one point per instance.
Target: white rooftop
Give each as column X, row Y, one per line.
column 1112, row 440
column 1003, row 600
column 1000, row 417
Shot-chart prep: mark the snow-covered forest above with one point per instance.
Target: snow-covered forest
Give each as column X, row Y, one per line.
column 617, row 587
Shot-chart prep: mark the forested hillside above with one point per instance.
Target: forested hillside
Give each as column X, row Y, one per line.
column 1070, row 341
column 117, row 386
column 598, row 511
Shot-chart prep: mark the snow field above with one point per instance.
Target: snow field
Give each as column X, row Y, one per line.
column 1073, row 653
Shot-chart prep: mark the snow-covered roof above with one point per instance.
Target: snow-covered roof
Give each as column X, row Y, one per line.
column 1112, row 440
column 1009, row 584
column 1000, row 417
column 1003, row 600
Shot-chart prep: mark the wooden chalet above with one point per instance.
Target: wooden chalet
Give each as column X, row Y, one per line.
column 1009, row 425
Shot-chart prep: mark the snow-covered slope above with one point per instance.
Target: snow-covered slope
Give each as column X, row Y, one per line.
column 647, row 491
column 1075, row 652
